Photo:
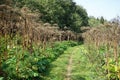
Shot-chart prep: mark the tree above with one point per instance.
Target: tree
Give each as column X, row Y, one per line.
column 116, row 20
column 63, row 12
column 66, row 13
column 93, row 22
column 102, row 20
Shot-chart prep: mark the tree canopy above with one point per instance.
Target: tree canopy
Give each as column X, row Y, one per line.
column 65, row 13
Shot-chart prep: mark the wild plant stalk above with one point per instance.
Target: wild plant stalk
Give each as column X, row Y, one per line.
column 108, row 36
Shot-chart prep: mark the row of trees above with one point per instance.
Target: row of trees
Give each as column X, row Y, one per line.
column 93, row 22
column 27, row 47
column 65, row 13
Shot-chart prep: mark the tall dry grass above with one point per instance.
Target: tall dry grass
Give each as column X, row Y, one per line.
column 107, row 35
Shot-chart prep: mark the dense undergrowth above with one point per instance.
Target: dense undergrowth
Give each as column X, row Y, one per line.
column 103, row 50
column 18, row 63
column 32, row 34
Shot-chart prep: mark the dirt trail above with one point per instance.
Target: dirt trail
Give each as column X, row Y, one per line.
column 69, row 67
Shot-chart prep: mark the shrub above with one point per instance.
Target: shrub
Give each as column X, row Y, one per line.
column 21, row 64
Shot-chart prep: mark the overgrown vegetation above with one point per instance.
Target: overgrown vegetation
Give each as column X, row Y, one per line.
column 26, row 46
column 35, row 33
column 19, row 63
column 65, row 13
column 103, row 49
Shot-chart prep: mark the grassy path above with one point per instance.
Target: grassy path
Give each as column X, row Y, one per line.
column 69, row 67
column 72, row 65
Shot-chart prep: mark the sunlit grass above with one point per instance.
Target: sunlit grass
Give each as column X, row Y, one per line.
column 80, row 68
column 58, row 68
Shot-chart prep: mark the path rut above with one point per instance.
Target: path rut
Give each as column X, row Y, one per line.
column 69, row 67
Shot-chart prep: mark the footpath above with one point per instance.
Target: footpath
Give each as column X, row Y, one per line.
column 72, row 65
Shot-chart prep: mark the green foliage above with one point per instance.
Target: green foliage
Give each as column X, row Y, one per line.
column 102, row 20
column 81, row 68
column 20, row 3
column 21, row 64
column 1, row 78
column 96, row 57
column 104, row 65
column 114, row 70
column 58, row 48
column 93, row 22
column 63, row 12
column 2, row 45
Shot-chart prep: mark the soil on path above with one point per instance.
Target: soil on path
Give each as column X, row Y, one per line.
column 69, row 67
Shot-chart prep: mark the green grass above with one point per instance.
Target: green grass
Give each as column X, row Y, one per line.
column 58, row 68
column 80, row 66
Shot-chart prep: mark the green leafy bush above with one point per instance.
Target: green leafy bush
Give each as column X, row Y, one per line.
column 2, row 45
column 59, row 48
column 21, row 64
column 1, row 78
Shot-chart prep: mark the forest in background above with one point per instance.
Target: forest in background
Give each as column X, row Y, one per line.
column 34, row 33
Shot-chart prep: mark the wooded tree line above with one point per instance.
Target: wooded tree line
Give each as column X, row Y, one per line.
column 65, row 13
column 23, row 35
column 25, row 23
column 21, row 23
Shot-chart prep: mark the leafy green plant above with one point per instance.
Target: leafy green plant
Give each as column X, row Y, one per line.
column 1, row 78
column 114, row 70
column 58, row 48
column 21, row 64
column 2, row 45
column 64, row 13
